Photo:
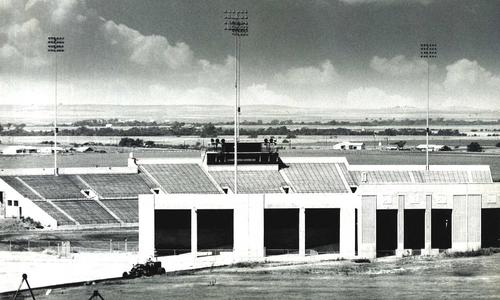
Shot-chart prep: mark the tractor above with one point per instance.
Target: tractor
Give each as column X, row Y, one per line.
column 150, row 268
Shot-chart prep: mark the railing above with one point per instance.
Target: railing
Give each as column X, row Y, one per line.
column 308, row 252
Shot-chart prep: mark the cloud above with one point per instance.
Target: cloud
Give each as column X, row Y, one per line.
column 261, row 94
column 323, row 74
column 467, row 74
column 152, row 50
column 399, row 66
column 161, row 94
column 372, row 98
column 212, row 73
column 467, row 83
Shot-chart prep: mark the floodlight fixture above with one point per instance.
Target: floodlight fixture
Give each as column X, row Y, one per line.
column 237, row 23
column 428, row 51
column 55, row 44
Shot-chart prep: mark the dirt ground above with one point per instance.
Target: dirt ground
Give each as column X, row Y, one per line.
column 388, row 278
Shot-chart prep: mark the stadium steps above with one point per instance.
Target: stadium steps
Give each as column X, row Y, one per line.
column 51, row 209
column 112, row 186
column 315, row 178
column 126, row 209
column 96, row 199
column 86, row 211
column 251, row 182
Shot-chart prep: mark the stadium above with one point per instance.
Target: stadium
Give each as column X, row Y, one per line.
column 298, row 206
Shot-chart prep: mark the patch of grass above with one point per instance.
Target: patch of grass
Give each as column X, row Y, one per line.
column 473, row 253
column 246, row 264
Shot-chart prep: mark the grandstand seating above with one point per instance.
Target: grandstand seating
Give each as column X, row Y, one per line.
column 441, row 176
column 182, row 178
column 251, row 182
column 53, row 212
column 481, row 177
column 86, row 211
column 56, row 187
column 20, row 187
column 351, row 181
column 117, row 185
column 125, row 209
column 315, row 178
column 381, row 177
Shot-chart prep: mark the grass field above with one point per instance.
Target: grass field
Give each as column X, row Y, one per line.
column 388, row 278
column 116, row 159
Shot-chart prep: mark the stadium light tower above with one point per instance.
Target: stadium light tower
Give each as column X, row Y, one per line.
column 428, row 51
column 237, row 23
column 55, row 45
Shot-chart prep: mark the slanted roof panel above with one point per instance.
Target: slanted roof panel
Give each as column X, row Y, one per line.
column 56, row 187
column 117, row 185
column 315, row 178
column 251, row 182
column 20, row 187
column 181, row 178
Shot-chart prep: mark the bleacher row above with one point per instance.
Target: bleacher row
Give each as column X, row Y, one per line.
column 112, row 198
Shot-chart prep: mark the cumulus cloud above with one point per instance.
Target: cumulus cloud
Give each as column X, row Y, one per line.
column 161, row 94
column 399, row 66
column 211, row 73
column 152, row 50
column 467, row 83
column 323, row 74
column 466, row 74
column 372, row 98
column 261, row 94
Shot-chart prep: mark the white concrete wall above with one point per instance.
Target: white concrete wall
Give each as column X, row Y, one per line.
column 29, row 209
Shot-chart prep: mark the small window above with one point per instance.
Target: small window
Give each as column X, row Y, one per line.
column 16, row 203
column 286, row 189
column 156, row 191
column 9, row 202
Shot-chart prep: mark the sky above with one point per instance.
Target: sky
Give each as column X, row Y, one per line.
column 346, row 54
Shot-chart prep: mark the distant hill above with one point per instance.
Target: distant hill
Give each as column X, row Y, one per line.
column 221, row 113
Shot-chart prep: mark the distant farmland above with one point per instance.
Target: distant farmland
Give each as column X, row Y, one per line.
column 357, row 158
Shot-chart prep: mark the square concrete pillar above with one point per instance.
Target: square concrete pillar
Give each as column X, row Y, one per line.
column 249, row 227
column 347, row 234
column 428, row 226
column 146, row 227
column 368, row 247
column 473, row 222
column 194, row 232
column 302, row 231
column 401, row 225
column 459, row 223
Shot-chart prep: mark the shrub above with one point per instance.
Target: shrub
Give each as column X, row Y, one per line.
column 474, row 147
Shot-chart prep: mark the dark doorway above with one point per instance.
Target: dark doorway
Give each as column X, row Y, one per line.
column 414, row 229
column 387, row 232
column 322, row 230
column 490, row 227
column 441, row 228
column 215, row 230
column 281, row 231
column 172, row 232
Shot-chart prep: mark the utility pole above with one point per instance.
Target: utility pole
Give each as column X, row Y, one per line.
column 428, row 51
column 55, row 44
column 237, row 23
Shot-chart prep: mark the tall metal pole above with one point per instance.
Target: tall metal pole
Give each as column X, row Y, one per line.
column 55, row 44
column 237, row 23
column 428, row 51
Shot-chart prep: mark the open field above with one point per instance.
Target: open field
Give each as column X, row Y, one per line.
column 116, row 159
column 388, row 278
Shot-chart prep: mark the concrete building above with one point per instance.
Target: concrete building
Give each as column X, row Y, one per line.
column 296, row 205
column 432, row 147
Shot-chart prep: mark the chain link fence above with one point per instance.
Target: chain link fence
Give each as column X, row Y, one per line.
column 58, row 246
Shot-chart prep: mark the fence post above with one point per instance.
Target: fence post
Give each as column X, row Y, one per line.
column 10, row 245
column 29, row 245
column 110, row 245
column 126, row 241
